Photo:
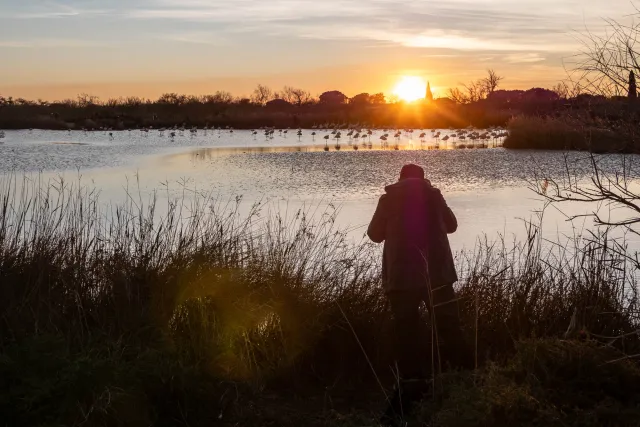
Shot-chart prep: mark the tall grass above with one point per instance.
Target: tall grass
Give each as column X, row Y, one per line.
column 565, row 133
column 147, row 312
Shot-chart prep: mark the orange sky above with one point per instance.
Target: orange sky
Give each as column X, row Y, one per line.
column 54, row 49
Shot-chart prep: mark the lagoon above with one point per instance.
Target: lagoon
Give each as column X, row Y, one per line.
column 488, row 189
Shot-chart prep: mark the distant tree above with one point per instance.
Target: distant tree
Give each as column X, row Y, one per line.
column 172, row 98
column 134, row 101
column 633, row 91
column 377, row 98
column 361, row 99
column 223, row 97
column 22, row 101
column 429, row 95
column 505, row 96
column 477, row 89
column 85, row 100
column 457, row 96
column 262, row 94
column 540, row 94
column 295, row 96
column 278, row 104
column 491, row 82
column 333, row 97
column 562, row 89
column 220, row 97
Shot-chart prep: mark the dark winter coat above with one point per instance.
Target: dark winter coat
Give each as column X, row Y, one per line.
column 413, row 220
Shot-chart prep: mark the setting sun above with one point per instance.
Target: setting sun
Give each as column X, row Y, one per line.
column 410, row 88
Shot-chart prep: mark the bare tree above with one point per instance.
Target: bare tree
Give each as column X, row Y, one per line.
column 605, row 60
column 610, row 192
column 491, row 82
column 562, row 89
column 85, row 100
column 220, row 97
column 477, row 89
column 262, row 94
column 295, row 96
column 458, row 96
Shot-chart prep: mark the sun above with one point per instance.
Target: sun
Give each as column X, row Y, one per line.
column 410, row 88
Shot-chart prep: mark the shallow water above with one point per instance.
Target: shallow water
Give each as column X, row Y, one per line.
column 486, row 188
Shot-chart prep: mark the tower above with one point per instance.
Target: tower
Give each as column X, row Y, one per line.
column 428, row 96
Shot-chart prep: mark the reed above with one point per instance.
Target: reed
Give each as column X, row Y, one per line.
column 566, row 133
column 181, row 311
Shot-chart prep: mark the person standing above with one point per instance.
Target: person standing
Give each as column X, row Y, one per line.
column 413, row 220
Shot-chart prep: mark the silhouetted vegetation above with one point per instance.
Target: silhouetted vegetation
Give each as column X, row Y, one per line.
column 292, row 108
column 201, row 316
column 482, row 106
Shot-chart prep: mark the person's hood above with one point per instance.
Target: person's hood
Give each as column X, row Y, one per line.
column 409, row 186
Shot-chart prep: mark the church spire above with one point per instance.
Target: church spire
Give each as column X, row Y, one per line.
column 428, row 96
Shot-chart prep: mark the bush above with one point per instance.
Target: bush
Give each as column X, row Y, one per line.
column 546, row 383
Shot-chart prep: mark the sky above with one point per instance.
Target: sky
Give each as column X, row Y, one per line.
column 110, row 48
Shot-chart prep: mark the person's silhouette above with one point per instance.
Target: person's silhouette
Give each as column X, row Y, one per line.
column 413, row 220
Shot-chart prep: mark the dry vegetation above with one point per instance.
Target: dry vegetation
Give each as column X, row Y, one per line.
column 198, row 315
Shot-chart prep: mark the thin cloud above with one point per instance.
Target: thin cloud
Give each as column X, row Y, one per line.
column 50, row 43
column 519, row 58
column 195, row 37
column 56, row 10
column 248, row 10
column 488, row 25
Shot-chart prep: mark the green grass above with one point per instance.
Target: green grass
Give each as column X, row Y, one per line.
column 193, row 314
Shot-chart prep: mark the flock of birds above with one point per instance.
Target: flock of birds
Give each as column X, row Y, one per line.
column 355, row 136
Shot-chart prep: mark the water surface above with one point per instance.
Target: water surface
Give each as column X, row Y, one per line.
column 488, row 189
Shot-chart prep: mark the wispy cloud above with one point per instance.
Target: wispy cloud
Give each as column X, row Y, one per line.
column 491, row 25
column 195, row 37
column 239, row 11
column 56, row 10
column 50, row 43
column 524, row 57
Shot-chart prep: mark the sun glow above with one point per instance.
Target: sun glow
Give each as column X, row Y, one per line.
column 410, row 88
